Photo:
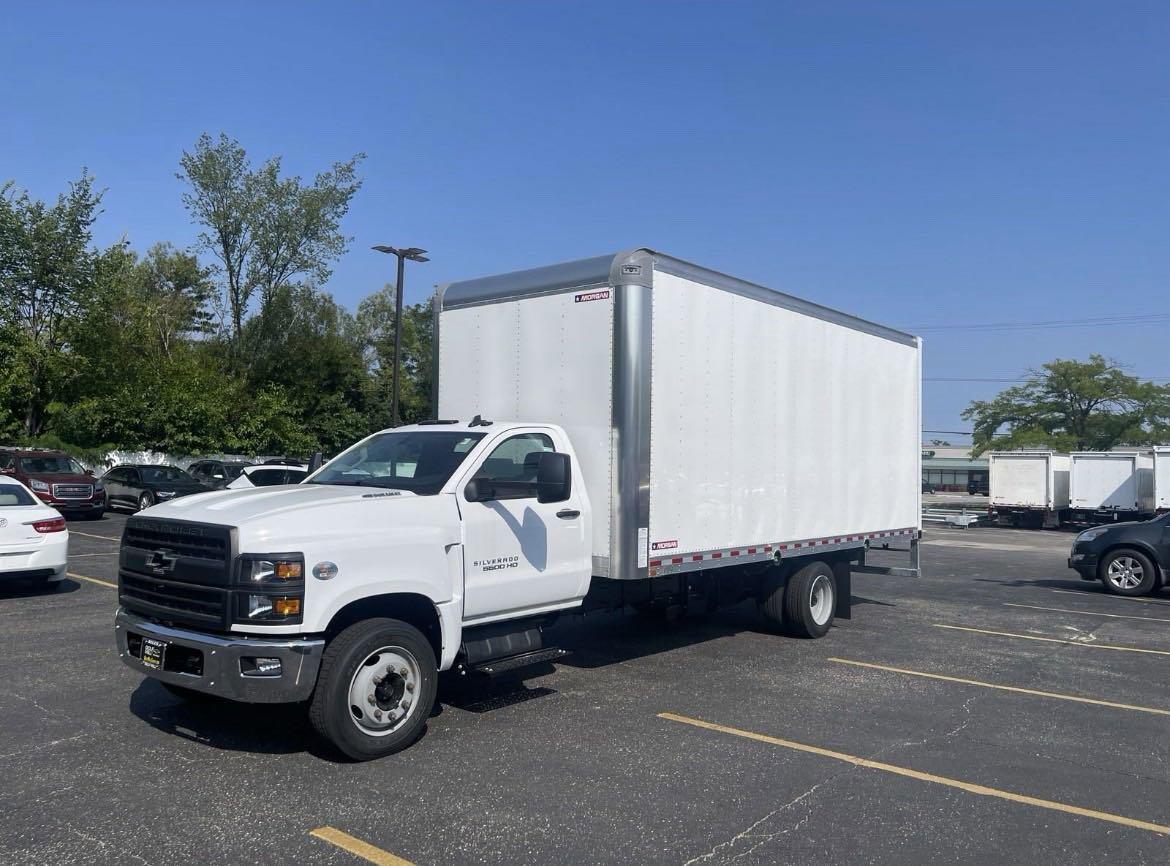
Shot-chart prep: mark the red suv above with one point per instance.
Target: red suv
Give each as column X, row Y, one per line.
column 56, row 478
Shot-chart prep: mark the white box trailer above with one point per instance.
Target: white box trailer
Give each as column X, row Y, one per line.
column 1110, row 485
column 1160, row 458
column 1028, row 487
column 716, row 421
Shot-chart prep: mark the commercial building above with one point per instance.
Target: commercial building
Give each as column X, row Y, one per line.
column 949, row 468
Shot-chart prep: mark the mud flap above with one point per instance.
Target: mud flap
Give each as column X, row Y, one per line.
column 843, row 578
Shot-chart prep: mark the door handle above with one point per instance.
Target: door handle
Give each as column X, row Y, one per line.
column 568, row 513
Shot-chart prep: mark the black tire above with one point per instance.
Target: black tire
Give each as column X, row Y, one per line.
column 807, row 610
column 772, row 597
column 96, row 514
column 333, row 715
column 1122, row 561
column 145, row 500
column 191, row 696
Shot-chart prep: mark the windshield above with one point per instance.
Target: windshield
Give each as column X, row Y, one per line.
column 233, row 470
column 157, row 474
column 420, row 462
column 50, row 465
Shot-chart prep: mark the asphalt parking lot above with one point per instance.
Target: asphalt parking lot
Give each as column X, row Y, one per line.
column 997, row 710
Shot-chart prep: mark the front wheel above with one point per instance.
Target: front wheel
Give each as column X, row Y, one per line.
column 809, row 601
column 145, row 500
column 375, row 690
column 1128, row 572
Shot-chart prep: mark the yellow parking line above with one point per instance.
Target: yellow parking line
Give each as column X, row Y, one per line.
column 1086, row 612
column 358, row 848
column 91, row 535
column 1002, row 688
column 96, row 580
column 1104, row 646
column 923, row 777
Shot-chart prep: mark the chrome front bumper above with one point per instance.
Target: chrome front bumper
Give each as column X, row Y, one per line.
column 224, row 665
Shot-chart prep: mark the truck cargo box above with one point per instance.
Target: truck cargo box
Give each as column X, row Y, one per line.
column 1161, row 472
column 1111, row 481
column 1029, row 480
column 715, row 420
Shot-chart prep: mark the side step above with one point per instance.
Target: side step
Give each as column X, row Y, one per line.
column 496, row 667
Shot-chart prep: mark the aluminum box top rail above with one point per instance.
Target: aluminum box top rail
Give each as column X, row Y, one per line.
column 611, row 270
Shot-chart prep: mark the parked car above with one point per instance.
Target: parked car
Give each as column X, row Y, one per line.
column 138, row 487
column 34, row 543
column 979, row 486
column 270, row 475
column 56, row 479
column 217, row 474
column 927, row 487
column 1128, row 558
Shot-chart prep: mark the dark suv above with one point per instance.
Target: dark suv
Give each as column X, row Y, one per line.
column 1128, row 558
column 57, row 480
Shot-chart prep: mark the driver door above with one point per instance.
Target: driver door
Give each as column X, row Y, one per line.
column 521, row 554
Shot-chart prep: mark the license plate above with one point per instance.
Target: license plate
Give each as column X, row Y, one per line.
column 153, row 652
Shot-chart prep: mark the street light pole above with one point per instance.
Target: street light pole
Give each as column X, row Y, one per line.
column 415, row 255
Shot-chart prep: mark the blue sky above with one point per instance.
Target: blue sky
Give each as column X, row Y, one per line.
column 917, row 163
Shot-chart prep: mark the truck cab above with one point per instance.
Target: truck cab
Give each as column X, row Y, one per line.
column 416, row 549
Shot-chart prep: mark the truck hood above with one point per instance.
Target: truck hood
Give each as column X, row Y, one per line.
column 296, row 516
column 251, row 504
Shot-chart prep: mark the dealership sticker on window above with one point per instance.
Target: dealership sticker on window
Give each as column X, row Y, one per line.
column 591, row 296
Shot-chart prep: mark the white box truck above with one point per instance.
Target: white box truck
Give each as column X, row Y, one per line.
column 1160, row 457
column 1110, row 486
column 628, row 430
column 1028, row 488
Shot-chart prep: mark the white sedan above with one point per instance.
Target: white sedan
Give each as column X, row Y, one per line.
column 269, row 475
column 34, row 543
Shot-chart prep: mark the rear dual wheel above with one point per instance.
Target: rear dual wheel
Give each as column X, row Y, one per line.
column 804, row 604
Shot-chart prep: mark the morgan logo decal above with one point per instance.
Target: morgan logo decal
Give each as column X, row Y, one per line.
column 665, row 545
column 497, row 563
column 591, row 296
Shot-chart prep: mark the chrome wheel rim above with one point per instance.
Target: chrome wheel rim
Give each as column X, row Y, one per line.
column 383, row 692
column 820, row 600
column 1125, row 572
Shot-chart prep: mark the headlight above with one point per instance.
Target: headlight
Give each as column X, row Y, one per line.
column 39, row 485
column 166, row 494
column 1090, row 534
column 271, row 588
column 275, row 570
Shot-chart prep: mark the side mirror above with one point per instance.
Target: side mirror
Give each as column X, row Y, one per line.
column 89, row 472
column 218, row 476
column 315, row 462
column 554, row 477
column 477, row 490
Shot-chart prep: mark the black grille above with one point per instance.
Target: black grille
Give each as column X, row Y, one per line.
column 177, row 572
column 191, row 540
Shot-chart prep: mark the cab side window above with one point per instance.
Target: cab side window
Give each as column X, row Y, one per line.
column 510, row 470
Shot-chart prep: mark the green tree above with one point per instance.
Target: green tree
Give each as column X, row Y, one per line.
column 1073, row 406
column 375, row 324
column 46, row 275
column 303, row 343
column 264, row 231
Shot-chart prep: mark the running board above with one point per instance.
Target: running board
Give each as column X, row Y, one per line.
column 523, row 660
